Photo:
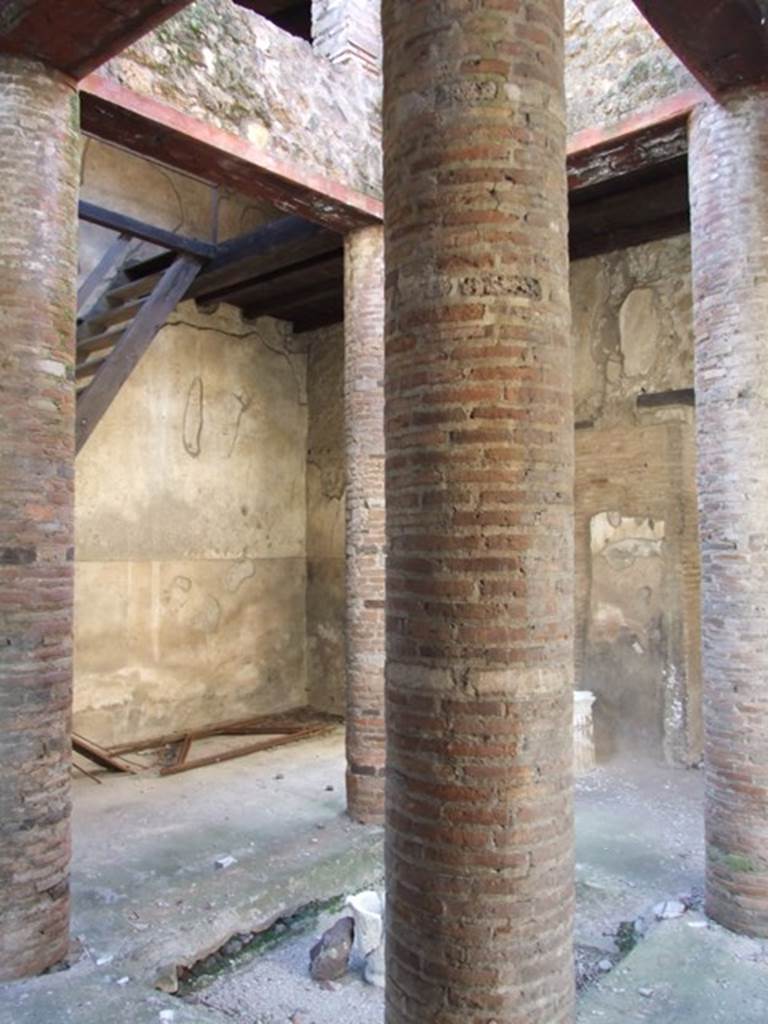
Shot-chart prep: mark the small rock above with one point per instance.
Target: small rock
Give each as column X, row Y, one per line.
column 279, row 776
column 669, row 910
column 224, row 862
column 123, row 981
column 299, row 1017
column 102, row 960
column 329, row 958
column 232, row 947
column 605, row 965
column 646, row 993
column 167, row 1015
column 329, row 789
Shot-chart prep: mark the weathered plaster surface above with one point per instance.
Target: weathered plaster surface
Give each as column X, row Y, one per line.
column 236, row 70
column 190, row 515
column 325, row 519
column 615, row 63
column 632, row 327
column 637, row 623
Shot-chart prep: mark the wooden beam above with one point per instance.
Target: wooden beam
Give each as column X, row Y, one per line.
column 651, row 139
column 288, row 305
column 100, row 278
column 290, row 280
column 100, row 756
column 646, row 212
column 152, row 129
column 268, row 251
column 723, row 43
column 77, row 36
column 93, row 214
column 99, row 394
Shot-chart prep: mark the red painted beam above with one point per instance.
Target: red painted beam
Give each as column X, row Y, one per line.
column 77, row 36
column 649, row 139
column 115, row 114
column 723, row 43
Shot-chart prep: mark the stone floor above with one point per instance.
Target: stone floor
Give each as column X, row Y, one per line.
column 148, row 898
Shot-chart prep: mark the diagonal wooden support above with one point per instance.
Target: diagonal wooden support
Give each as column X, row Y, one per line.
column 98, row 396
column 99, row 279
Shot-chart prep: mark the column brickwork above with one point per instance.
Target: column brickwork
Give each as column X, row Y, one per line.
column 39, row 151
column 365, row 532
column 729, row 228
column 479, row 431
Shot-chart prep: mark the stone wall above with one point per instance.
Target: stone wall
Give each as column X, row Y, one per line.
column 190, row 516
column 236, row 70
column 325, row 519
column 615, row 63
column 636, row 534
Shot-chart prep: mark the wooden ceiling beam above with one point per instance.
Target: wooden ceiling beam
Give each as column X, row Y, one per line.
column 723, row 43
column 78, row 36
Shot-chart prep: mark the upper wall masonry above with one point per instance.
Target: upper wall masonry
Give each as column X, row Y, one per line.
column 236, row 70
column 615, row 63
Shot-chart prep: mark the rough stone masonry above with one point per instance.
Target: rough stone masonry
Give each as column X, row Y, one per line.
column 39, row 151
column 479, row 428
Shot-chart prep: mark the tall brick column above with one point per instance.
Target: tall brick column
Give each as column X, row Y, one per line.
column 364, row 431
column 479, row 435
column 39, row 152
column 729, row 204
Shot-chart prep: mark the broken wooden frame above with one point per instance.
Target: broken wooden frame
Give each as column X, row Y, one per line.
column 290, row 727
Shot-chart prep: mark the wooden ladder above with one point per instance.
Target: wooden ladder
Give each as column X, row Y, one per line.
column 120, row 311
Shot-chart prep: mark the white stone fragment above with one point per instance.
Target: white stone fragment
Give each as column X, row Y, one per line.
column 224, row 862
column 368, row 911
column 669, row 910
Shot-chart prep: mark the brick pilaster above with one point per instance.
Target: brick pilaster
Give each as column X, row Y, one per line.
column 729, row 228
column 365, row 541
column 479, row 432
column 39, row 149
column 348, row 31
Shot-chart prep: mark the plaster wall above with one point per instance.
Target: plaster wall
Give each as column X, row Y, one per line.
column 637, row 586
column 326, row 610
column 190, row 514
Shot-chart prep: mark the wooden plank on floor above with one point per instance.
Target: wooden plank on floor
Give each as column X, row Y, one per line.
column 100, row 756
column 257, row 725
column 251, row 748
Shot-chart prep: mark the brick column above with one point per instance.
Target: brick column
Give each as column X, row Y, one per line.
column 479, row 435
column 348, row 32
column 39, row 151
column 729, row 209
column 364, row 431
